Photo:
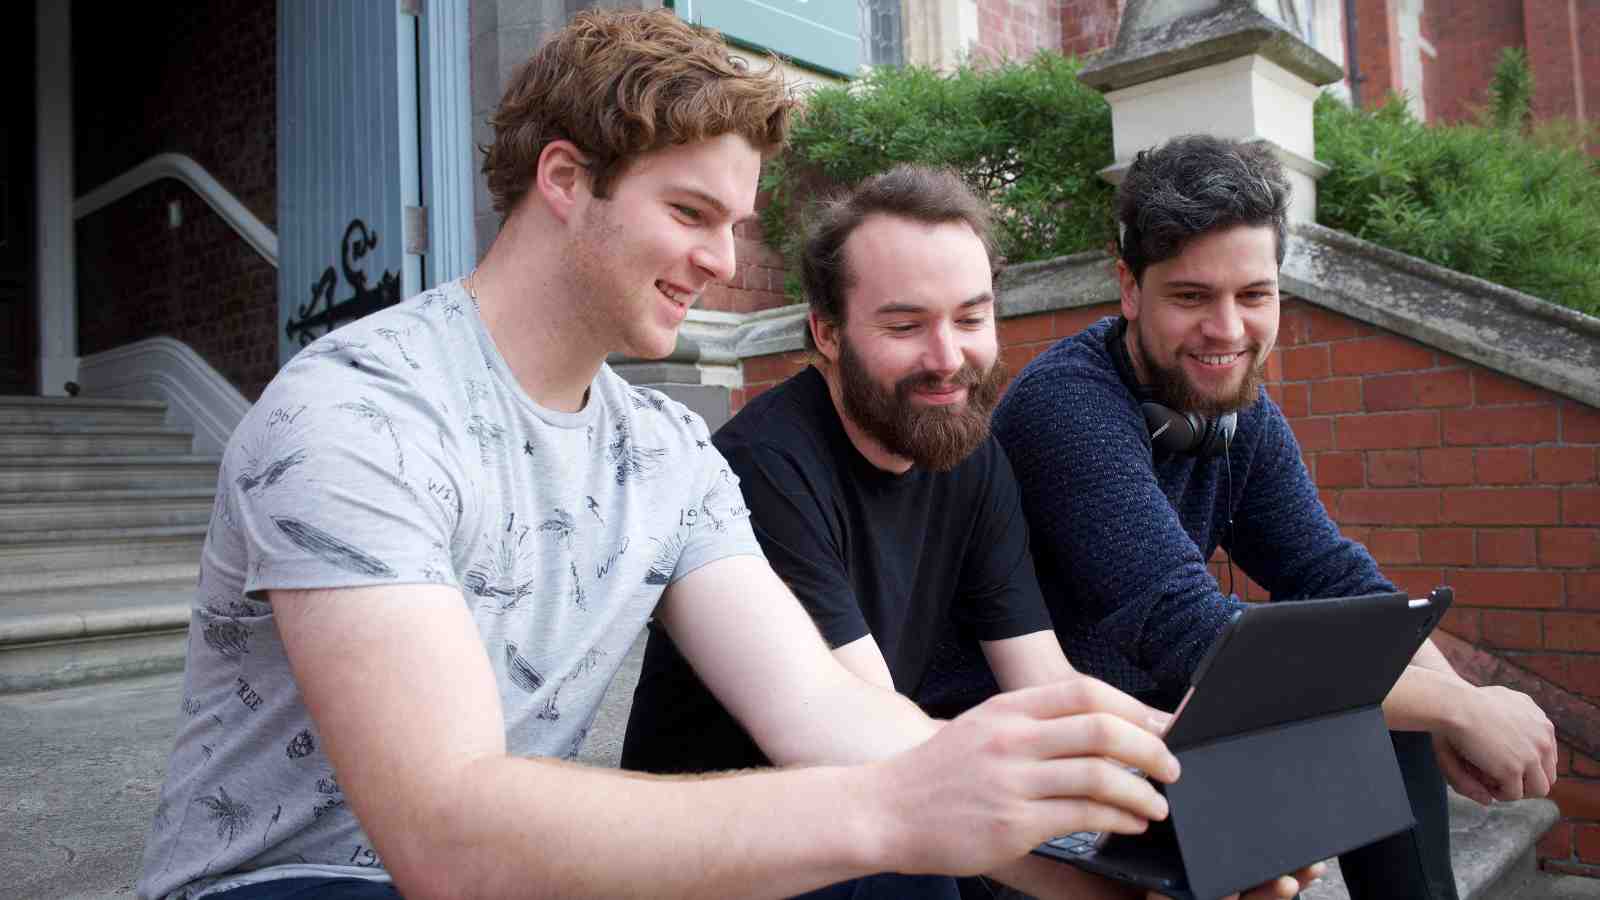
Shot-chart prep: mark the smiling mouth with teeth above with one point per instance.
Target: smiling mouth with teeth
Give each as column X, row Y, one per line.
column 1222, row 359
column 681, row 298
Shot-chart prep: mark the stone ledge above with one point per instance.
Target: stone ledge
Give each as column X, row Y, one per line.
column 1152, row 45
column 1505, row 330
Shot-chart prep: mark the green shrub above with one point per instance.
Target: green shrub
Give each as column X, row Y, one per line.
column 1477, row 199
column 1030, row 135
column 1519, row 210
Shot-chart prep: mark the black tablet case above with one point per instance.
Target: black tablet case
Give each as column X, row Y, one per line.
column 1286, row 758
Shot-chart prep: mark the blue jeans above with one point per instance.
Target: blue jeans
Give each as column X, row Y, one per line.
column 313, row 889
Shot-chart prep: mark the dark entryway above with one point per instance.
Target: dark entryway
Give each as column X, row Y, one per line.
column 18, row 334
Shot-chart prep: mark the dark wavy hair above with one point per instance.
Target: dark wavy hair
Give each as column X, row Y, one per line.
column 1195, row 184
column 621, row 84
column 931, row 196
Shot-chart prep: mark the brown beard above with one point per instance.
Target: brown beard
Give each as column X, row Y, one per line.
column 1172, row 388
column 932, row 437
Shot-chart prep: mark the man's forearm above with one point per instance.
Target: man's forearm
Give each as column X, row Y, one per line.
column 1424, row 698
column 519, row 827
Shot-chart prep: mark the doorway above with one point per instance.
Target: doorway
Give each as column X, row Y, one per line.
column 18, row 333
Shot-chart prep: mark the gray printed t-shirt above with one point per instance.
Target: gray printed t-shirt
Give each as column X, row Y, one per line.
column 400, row 450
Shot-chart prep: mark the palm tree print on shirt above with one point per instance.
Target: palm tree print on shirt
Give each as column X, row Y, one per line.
column 373, row 414
column 229, row 815
column 490, row 437
column 394, row 337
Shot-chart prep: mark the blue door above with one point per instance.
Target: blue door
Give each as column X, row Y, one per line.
column 348, row 164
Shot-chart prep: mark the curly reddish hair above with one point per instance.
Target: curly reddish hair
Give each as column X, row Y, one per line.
column 618, row 84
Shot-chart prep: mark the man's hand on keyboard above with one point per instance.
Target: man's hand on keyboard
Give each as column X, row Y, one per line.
column 1022, row 768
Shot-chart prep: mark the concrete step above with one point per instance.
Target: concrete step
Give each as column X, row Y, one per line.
column 1492, row 848
column 1551, row 886
column 51, row 600
column 91, row 549
column 46, row 439
column 54, row 649
column 81, row 411
column 19, row 474
column 55, row 510
column 86, row 581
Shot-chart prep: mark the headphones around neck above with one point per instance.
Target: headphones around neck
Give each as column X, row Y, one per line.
column 1171, row 431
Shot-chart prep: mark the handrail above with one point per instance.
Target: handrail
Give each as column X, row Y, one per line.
column 191, row 173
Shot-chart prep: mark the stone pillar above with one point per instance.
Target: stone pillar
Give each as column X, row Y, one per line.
column 939, row 34
column 1233, row 68
column 58, row 282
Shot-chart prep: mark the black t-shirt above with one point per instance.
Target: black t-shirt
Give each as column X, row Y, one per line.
column 866, row 551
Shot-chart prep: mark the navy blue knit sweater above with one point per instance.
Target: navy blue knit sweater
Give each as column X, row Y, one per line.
column 1121, row 540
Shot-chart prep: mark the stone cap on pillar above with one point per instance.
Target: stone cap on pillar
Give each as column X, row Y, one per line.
column 1160, row 38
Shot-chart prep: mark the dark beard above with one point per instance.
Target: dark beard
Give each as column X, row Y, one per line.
column 1172, row 388
column 933, row 438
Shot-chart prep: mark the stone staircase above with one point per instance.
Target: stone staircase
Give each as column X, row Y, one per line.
column 103, row 509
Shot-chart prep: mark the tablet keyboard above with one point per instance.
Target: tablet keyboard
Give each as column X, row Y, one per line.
column 1076, row 842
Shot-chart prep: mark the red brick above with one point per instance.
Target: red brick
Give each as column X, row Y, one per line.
column 1415, row 581
column 1072, row 321
column 1505, row 547
column 1569, row 548
column 1557, row 842
column 1295, row 400
column 1326, row 325
column 1446, row 465
column 1577, row 632
column 1551, row 667
column 1449, row 546
column 1464, row 623
column 1500, row 425
column 1389, row 392
column 1380, row 353
column 1390, row 507
column 1583, row 590
column 1428, row 389
column 1501, row 506
column 1564, row 758
column 1292, row 324
column 1314, row 435
column 1274, row 371
column 1336, row 396
column 1527, row 589
column 774, row 367
column 1339, row 470
column 1580, row 424
column 1579, row 798
column 1558, row 465
column 1580, row 506
column 1491, row 389
column 1392, row 468
column 1584, row 672
column 752, row 391
column 1305, row 363
column 1026, row 329
column 1587, row 843
column 1378, row 431
column 1512, row 629
column 1504, row 465
column 1395, row 547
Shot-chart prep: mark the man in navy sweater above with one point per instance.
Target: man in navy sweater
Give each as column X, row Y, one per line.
column 1145, row 442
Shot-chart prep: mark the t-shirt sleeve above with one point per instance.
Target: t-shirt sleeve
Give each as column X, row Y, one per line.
column 799, row 536
column 1000, row 595
column 339, row 479
column 720, row 526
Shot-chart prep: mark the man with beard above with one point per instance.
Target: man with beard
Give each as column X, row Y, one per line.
column 873, row 483
column 1145, row 442
column 401, row 637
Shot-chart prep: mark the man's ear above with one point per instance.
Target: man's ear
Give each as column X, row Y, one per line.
column 1130, row 291
column 825, row 335
column 561, row 178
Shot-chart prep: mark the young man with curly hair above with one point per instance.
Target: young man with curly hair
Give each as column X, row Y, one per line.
column 441, row 528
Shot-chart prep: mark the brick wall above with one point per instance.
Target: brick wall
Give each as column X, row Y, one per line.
column 758, row 277
column 1088, row 26
column 1017, row 29
column 193, row 79
column 1448, row 472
